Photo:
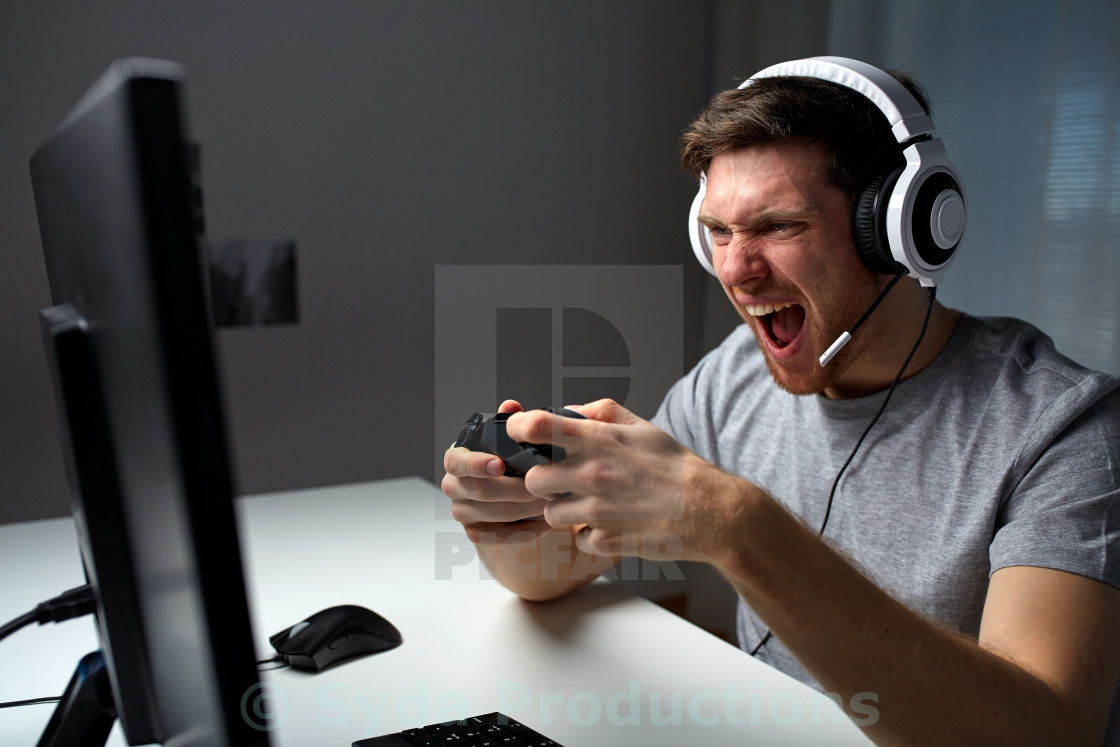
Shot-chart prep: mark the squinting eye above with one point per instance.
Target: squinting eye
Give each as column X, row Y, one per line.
column 719, row 236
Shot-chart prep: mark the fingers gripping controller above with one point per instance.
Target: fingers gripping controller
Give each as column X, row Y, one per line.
column 486, row 432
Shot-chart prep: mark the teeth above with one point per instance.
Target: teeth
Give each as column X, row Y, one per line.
column 762, row 309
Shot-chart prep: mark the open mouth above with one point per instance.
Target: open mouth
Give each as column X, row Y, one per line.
column 782, row 323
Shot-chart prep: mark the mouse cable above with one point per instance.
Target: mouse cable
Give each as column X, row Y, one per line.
column 58, row 698
column 33, row 701
column 278, row 660
column 66, row 606
column 931, row 294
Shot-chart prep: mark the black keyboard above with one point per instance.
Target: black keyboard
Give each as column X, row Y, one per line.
column 491, row 730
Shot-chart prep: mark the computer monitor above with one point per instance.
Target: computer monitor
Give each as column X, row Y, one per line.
column 131, row 352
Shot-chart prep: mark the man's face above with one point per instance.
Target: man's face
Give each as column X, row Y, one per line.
column 783, row 251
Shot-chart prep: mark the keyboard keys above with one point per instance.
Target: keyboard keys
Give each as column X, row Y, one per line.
column 488, row 730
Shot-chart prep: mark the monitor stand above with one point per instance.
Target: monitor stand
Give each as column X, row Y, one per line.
column 86, row 713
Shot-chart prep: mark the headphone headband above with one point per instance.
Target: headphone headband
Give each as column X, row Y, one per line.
column 905, row 114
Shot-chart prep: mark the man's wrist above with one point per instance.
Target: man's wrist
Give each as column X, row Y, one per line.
column 718, row 505
column 550, row 566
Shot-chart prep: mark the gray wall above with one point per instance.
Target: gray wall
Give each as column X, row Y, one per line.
column 393, row 139
column 386, row 138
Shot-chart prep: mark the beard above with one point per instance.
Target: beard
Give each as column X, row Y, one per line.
column 828, row 317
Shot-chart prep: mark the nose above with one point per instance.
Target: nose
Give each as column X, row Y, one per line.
column 739, row 263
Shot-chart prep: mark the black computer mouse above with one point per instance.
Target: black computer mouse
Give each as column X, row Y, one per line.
column 334, row 635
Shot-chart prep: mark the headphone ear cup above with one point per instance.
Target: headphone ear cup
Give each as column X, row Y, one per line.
column 869, row 225
column 863, row 223
column 698, row 232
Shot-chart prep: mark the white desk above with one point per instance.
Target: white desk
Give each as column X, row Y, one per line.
column 600, row 668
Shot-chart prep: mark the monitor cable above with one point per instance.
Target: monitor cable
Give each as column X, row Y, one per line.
column 931, row 295
column 66, row 606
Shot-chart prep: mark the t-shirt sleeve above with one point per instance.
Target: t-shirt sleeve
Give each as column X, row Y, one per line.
column 673, row 416
column 1065, row 511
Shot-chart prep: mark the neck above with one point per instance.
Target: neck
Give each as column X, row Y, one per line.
column 888, row 337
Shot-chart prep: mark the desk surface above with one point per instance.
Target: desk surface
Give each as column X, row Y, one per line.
column 602, row 667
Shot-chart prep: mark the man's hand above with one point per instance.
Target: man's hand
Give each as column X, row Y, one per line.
column 624, row 478
column 522, row 550
column 493, row 509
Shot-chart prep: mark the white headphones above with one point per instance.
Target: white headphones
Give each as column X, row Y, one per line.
column 915, row 216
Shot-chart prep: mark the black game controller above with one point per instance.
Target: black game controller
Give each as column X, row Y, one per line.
column 486, row 432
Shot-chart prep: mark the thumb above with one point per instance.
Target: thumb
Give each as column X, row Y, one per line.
column 510, row 405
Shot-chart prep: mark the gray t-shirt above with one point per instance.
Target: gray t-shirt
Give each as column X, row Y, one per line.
column 1001, row 452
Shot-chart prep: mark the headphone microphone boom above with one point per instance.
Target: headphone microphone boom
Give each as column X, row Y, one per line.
column 910, row 221
column 843, row 339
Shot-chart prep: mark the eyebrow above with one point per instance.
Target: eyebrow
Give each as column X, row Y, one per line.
column 708, row 220
column 771, row 215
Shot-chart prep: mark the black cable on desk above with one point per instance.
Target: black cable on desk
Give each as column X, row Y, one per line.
column 277, row 660
column 66, row 606
column 33, row 701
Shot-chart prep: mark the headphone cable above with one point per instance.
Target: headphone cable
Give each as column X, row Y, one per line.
column 921, row 335
column 931, row 294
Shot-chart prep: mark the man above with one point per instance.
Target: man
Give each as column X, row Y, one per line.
column 964, row 566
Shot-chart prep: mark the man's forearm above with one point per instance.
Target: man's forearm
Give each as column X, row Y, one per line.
column 549, row 567
column 933, row 685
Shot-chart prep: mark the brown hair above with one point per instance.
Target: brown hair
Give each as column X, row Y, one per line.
column 855, row 134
